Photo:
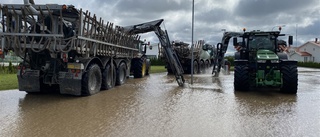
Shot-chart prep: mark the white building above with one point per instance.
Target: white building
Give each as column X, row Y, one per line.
column 153, row 50
column 308, row 52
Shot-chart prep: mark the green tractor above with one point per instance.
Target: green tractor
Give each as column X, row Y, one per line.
column 260, row 63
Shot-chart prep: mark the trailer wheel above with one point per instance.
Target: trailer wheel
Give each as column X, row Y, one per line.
column 207, row 64
column 121, row 74
column 290, row 79
column 241, row 78
column 108, row 77
column 202, row 67
column 139, row 67
column 195, row 67
column 91, row 82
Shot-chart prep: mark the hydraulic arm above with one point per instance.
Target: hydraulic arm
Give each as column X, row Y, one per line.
column 221, row 50
column 165, row 43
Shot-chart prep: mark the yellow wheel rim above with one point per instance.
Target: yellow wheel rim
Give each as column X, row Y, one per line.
column 144, row 67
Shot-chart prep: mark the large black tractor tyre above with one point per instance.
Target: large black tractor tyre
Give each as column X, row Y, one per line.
column 241, row 78
column 108, row 77
column 290, row 79
column 121, row 74
column 91, row 81
column 139, row 68
column 195, row 67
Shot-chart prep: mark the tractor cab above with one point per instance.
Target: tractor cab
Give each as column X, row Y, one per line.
column 261, row 42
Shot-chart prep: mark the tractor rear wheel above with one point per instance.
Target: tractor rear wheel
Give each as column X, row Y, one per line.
column 91, row 82
column 108, row 77
column 241, row 78
column 121, row 74
column 290, row 79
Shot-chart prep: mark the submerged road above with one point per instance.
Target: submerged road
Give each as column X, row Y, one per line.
column 157, row 106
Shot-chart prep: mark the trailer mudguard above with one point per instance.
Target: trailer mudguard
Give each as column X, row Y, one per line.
column 70, row 84
column 29, row 80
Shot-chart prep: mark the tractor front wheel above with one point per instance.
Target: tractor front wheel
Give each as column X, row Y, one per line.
column 290, row 79
column 140, row 68
column 241, row 78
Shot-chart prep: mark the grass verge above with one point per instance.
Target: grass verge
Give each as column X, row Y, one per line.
column 8, row 81
column 157, row 69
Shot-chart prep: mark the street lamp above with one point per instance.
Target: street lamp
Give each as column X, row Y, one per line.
column 278, row 26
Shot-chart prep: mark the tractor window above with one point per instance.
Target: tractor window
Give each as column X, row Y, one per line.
column 261, row 42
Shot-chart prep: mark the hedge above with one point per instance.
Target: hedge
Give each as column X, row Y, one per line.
column 309, row 64
column 11, row 69
column 157, row 62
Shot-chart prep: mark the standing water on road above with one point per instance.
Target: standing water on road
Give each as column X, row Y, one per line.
column 156, row 106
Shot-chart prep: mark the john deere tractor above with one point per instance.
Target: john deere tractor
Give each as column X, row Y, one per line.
column 259, row 62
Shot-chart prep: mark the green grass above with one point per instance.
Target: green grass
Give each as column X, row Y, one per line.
column 157, row 69
column 8, row 81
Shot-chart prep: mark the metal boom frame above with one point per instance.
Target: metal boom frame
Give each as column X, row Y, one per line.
column 165, row 43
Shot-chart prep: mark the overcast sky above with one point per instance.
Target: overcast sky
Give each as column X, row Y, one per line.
column 211, row 16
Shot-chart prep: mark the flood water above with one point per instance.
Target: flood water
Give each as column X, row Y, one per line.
column 157, row 106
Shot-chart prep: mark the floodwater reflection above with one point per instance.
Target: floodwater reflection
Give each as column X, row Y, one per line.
column 156, row 106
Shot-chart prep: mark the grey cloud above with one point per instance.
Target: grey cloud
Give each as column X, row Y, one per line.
column 313, row 29
column 210, row 15
column 213, row 16
column 155, row 6
column 262, row 8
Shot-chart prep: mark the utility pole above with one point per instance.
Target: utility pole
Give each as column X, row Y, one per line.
column 192, row 44
column 296, row 35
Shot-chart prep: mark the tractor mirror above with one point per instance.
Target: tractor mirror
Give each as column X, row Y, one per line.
column 235, row 41
column 290, row 40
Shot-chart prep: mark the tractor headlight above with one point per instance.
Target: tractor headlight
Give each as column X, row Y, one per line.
column 261, row 61
column 274, row 61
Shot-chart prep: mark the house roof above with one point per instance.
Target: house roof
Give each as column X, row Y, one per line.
column 303, row 53
column 311, row 42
